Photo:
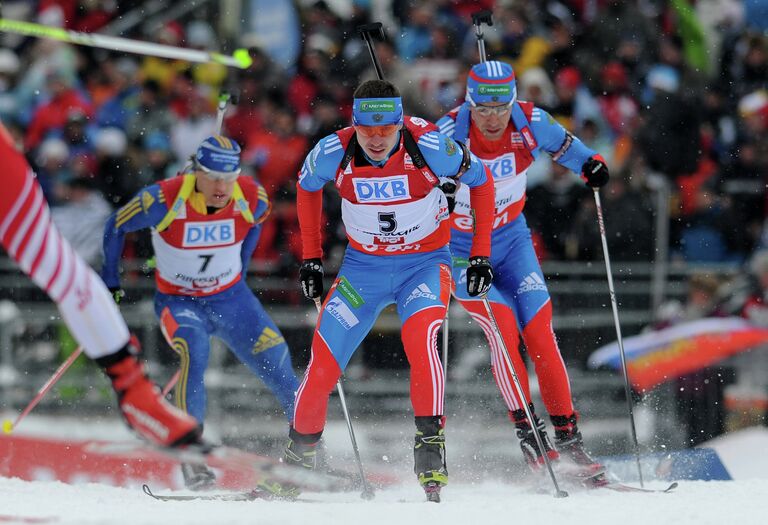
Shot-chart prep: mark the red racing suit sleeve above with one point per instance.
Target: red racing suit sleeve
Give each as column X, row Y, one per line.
column 482, row 198
column 309, row 205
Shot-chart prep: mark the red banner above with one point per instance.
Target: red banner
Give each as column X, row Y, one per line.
column 31, row 458
column 655, row 357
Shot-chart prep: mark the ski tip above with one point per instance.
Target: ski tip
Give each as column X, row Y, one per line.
column 672, row 487
column 147, row 491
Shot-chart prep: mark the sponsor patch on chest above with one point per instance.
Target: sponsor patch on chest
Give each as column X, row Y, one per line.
column 208, row 233
column 381, row 189
column 502, row 167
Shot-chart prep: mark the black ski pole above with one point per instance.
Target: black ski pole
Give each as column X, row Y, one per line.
column 615, row 309
column 478, row 19
column 368, row 32
column 559, row 493
column 367, row 493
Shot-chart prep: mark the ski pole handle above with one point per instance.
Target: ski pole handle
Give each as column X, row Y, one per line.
column 8, row 425
column 479, row 18
column 221, row 108
column 367, row 32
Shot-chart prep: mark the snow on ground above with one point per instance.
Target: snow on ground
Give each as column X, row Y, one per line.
column 743, row 452
column 485, row 502
column 694, row 502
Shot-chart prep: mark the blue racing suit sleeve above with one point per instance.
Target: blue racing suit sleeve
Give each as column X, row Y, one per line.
column 444, row 155
column 250, row 242
column 144, row 210
column 447, row 126
column 554, row 139
column 251, row 239
column 321, row 163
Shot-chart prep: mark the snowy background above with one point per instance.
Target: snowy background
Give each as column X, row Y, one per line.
column 474, row 495
column 694, row 502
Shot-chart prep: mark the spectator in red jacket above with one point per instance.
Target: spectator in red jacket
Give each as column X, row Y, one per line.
column 277, row 150
column 53, row 114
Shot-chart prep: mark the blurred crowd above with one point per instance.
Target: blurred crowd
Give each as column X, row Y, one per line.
column 673, row 93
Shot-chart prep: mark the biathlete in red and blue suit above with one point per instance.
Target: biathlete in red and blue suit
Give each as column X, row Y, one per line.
column 508, row 135
column 389, row 170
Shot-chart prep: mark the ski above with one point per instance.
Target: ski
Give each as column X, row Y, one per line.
column 599, row 481
column 261, row 468
column 245, row 495
column 621, row 487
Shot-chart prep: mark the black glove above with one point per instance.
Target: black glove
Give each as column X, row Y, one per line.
column 449, row 187
column 479, row 276
column 117, row 294
column 311, row 278
column 594, row 172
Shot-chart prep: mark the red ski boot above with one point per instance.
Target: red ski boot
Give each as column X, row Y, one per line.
column 570, row 444
column 141, row 403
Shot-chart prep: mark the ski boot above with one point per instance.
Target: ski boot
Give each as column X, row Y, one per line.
column 533, row 456
column 300, row 451
column 429, row 455
column 570, row 444
column 197, row 476
column 144, row 408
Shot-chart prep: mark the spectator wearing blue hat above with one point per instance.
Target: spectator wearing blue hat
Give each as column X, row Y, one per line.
column 507, row 135
column 205, row 224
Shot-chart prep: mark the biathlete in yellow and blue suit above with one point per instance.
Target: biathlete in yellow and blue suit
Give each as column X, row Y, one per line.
column 205, row 225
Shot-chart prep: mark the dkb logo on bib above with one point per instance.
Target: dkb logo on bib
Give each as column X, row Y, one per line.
column 213, row 233
column 502, row 167
column 382, row 189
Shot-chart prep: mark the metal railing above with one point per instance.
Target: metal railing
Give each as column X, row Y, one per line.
column 582, row 320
